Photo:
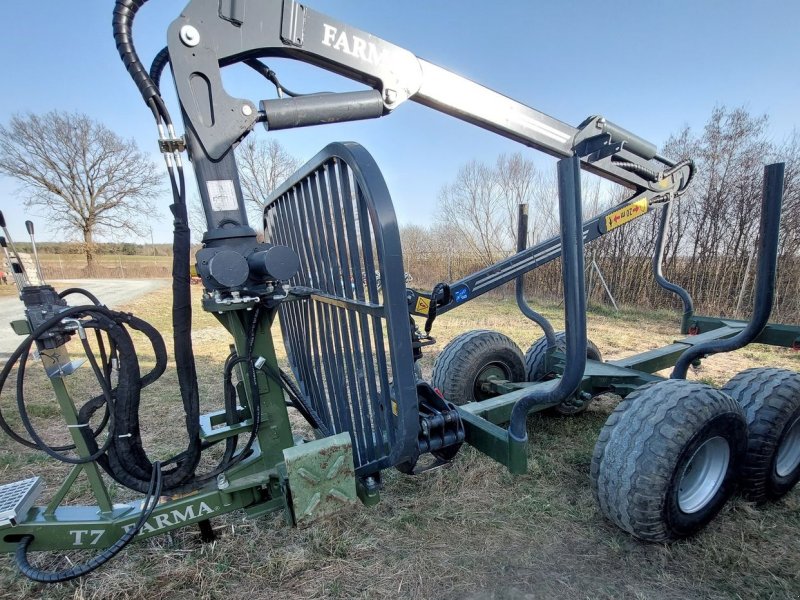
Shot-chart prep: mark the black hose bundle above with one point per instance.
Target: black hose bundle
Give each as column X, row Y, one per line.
column 121, row 401
column 122, row 455
column 124, row 15
column 148, row 506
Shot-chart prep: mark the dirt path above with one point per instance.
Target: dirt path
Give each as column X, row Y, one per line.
column 111, row 292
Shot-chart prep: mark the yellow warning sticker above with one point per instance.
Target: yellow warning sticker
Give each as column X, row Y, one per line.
column 626, row 214
column 395, row 408
column 423, row 305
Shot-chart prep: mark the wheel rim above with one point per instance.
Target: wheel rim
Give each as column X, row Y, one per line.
column 703, row 475
column 493, row 370
column 789, row 451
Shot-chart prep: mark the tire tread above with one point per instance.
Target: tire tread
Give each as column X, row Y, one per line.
column 633, row 461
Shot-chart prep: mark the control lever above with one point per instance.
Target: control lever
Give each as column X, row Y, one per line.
column 39, row 272
column 10, row 264
column 23, row 275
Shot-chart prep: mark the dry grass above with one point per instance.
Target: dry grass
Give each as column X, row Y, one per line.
column 104, row 260
column 8, row 290
column 469, row 531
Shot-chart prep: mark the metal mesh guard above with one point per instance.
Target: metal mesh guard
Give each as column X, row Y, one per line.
column 349, row 340
column 17, row 498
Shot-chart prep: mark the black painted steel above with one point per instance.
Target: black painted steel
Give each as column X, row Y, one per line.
column 491, row 277
column 219, row 188
column 288, row 29
column 768, row 238
column 658, row 259
column 348, row 342
column 539, row 319
column 321, row 109
column 569, row 209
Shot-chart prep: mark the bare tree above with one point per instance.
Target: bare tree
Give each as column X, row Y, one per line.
column 197, row 218
column 516, row 180
column 80, row 174
column 481, row 204
column 262, row 168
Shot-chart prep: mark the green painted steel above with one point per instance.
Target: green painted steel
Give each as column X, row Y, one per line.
column 665, row 357
column 309, row 481
column 74, row 527
column 494, row 441
column 497, row 410
column 275, row 432
column 214, row 429
column 774, row 334
column 92, row 471
column 258, row 484
column 321, row 477
column 21, row 327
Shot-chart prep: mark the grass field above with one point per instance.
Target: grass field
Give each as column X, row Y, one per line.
column 73, row 266
column 468, row 531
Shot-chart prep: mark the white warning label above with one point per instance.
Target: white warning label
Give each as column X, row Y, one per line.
column 222, row 194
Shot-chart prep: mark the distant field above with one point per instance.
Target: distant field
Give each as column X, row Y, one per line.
column 105, row 259
column 470, row 531
column 68, row 266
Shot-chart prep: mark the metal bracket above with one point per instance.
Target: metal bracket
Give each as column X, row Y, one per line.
column 321, row 477
column 170, row 145
column 232, row 11
column 293, row 23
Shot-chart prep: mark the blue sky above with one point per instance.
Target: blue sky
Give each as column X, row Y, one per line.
column 651, row 67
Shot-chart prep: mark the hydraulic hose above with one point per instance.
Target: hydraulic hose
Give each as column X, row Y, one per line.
column 122, row 455
column 149, row 505
column 124, row 14
column 158, row 65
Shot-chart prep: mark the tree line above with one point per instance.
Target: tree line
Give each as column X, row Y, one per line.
column 92, row 184
column 100, row 248
column 710, row 249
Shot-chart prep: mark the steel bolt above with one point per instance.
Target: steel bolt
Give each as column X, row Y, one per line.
column 247, row 110
column 190, row 36
column 390, row 96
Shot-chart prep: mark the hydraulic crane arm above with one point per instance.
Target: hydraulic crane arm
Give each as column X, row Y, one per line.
column 211, row 34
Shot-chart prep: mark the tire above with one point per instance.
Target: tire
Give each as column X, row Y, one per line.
column 535, row 368
column 534, row 357
column 639, row 469
column 770, row 399
column 471, row 356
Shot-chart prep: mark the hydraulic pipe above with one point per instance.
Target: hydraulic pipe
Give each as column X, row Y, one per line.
column 538, row 318
column 658, row 259
column 768, row 237
column 569, row 207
